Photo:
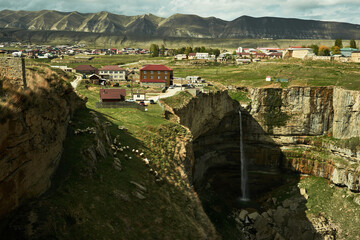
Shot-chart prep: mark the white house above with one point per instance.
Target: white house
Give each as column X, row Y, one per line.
column 202, row 55
column 113, row 73
column 193, row 79
column 268, row 78
column 180, row 57
column 139, row 96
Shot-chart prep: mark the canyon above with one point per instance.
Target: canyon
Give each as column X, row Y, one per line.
column 282, row 128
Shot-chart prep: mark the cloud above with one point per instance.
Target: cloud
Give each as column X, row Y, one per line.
column 331, row 10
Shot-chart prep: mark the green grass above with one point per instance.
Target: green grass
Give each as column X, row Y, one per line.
column 299, row 72
column 178, row 100
column 239, row 96
column 335, row 203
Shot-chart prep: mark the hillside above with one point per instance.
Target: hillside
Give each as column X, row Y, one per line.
column 175, row 26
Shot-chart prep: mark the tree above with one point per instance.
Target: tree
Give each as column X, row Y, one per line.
column 188, row 50
column 352, row 43
column 315, row 48
column 338, row 42
column 197, row 49
column 154, row 50
column 216, row 52
column 335, row 50
column 234, row 53
column 203, row 49
column 163, row 50
column 324, row 51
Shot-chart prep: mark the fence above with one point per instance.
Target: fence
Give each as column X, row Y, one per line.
column 119, row 105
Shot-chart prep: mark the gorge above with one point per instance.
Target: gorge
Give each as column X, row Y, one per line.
column 287, row 133
column 297, row 130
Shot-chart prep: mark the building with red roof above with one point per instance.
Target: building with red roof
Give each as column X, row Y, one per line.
column 112, row 95
column 113, row 73
column 156, row 75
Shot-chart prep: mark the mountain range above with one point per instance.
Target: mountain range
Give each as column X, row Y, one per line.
column 48, row 22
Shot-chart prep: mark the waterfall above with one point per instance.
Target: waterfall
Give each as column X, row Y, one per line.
column 244, row 173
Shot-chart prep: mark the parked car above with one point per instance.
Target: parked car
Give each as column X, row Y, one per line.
column 130, row 100
column 142, row 103
column 116, row 85
column 171, row 87
column 152, row 101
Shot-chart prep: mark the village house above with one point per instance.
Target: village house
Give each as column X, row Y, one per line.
column 139, row 96
column 180, row 57
column 156, row 76
column 192, row 56
column 355, row 56
column 113, row 73
column 298, row 52
column 112, row 95
column 86, row 69
column 193, row 79
column 346, row 52
column 202, row 55
column 97, row 80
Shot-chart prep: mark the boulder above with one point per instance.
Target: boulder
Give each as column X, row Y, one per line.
column 253, row 216
column 243, row 214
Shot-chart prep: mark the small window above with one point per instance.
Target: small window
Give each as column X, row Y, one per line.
column 152, row 72
column 158, row 77
column 165, row 77
column 144, row 72
column 138, row 96
column 144, row 77
column 165, row 72
column 158, row 72
column 151, row 77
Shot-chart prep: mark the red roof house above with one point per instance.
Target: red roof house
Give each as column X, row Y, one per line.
column 156, row 75
column 112, row 95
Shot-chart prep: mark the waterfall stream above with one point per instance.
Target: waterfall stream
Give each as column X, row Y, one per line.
column 244, row 173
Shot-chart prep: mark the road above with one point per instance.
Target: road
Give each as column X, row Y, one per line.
column 76, row 82
column 169, row 93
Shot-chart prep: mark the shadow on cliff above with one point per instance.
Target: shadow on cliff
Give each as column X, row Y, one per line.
column 99, row 197
column 273, row 191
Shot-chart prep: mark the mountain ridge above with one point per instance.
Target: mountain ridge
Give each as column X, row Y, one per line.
column 177, row 25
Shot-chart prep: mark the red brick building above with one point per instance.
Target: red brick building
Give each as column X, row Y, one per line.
column 112, row 95
column 156, row 76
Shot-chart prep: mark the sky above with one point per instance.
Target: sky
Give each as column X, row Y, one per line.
column 326, row 10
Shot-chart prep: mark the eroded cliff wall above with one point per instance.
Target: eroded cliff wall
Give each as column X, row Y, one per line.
column 33, row 125
column 275, row 121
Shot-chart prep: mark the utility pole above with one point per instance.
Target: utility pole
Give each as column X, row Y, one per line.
column 23, row 71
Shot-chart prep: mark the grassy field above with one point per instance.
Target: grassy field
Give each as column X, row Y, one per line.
column 299, row 72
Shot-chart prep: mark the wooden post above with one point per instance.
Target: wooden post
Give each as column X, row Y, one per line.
column 23, row 71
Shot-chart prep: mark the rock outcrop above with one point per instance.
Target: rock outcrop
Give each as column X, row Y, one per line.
column 32, row 137
column 346, row 123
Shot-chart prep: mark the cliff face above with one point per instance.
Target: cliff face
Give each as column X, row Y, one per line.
column 273, row 120
column 346, row 105
column 294, row 111
column 31, row 138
